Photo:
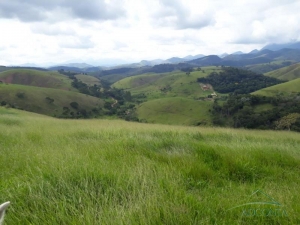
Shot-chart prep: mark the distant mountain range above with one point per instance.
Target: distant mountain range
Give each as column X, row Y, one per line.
column 270, row 53
column 276, row 47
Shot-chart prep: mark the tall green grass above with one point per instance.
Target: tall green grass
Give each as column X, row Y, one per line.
column 175, row 111
column 115, row 172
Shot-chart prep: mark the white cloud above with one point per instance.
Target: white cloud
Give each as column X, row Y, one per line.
column 37, row 10
column 62, row 30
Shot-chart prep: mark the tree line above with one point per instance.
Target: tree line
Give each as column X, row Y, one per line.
column 241, row 111
column 238, row 81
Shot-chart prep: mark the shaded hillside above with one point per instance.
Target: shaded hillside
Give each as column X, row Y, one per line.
column 48, row 101
column 47, row 79
column 287, row 73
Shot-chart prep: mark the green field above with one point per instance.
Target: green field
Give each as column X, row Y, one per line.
column 287, row 73
column 47, row 79
column 114, row 172
column 89, row 80
column 180, row 111
column 286, row 89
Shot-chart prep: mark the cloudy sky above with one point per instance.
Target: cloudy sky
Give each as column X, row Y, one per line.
column 106, row 31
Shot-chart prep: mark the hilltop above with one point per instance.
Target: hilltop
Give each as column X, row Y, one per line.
column 37, row 78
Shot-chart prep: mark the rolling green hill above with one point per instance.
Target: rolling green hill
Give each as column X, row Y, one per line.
column 171, row 98
column 89, row 80
column 45, row 92
column 287, row 73
column 47, row 79
column 58, row 171
column 34, row 99
column 173, row 84
column 288, row 88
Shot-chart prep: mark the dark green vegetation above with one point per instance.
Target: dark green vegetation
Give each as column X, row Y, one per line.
column 255, row 111
column 116, row 172
column 237, row 81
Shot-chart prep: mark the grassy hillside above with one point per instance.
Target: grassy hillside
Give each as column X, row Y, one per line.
column 171, row 98
column 270, row 66
column 287, row 73
column 289, row 88
column 48, row 79
column 89, row 80
column 114, row 172
column 34, row 99
column 174, row 84
column 180, row 111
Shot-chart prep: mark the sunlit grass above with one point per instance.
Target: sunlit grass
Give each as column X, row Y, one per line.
column 114, row 172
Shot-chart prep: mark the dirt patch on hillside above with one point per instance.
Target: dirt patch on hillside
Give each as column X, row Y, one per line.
column 206, row 87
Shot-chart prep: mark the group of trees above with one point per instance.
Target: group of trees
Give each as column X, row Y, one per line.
column 238, row 81
column 117, row 102
column 241, row 111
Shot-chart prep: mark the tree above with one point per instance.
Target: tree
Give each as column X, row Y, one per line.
column 287, row 121
column 20, row 95
column 74, row 105
column 49, row 100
